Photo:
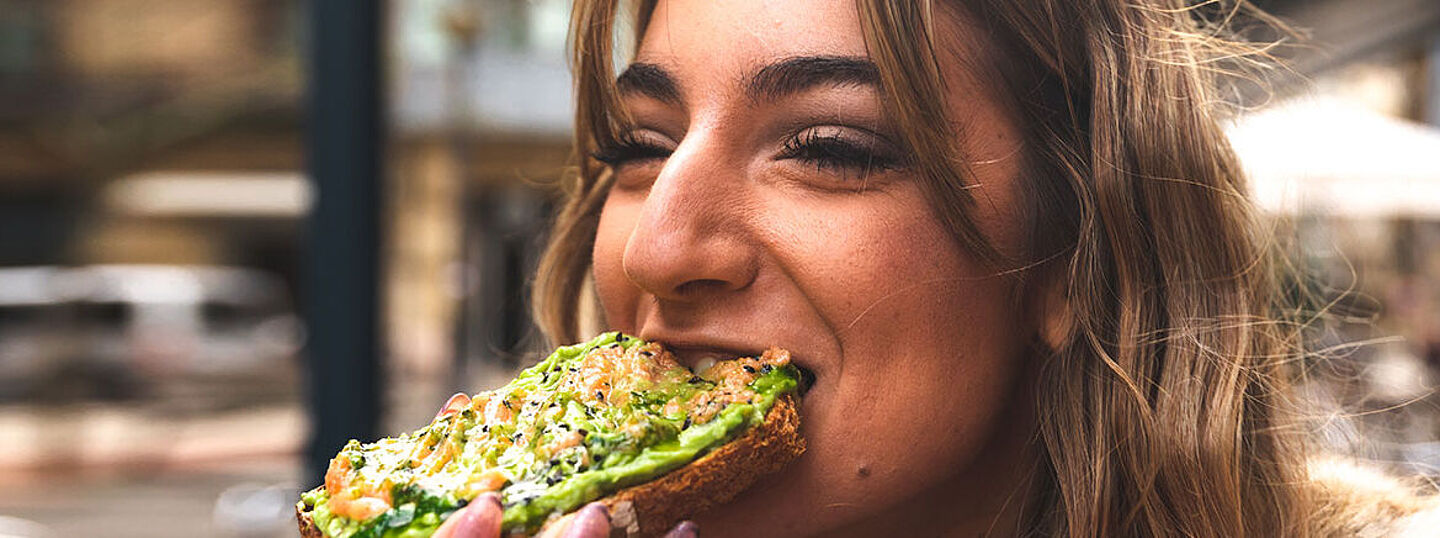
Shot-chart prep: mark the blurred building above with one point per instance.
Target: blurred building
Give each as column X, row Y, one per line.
column 1344, row 154
column 99, row 97
column 169, row 132
column 481, row 112
column 150, row 203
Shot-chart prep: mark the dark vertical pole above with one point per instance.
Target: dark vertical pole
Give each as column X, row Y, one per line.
column 345, row 147
column 1431, row 97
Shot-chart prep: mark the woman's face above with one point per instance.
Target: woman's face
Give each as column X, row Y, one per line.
column 762, row 200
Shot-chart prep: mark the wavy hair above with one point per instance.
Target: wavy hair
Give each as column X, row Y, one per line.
column 1164, row 401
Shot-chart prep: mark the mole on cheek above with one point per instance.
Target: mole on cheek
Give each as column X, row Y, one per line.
column 862, row 472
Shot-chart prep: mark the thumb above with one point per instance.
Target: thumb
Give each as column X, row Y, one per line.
column 480, row 519
column 592, row 521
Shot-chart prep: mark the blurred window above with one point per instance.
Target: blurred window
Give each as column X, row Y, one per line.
column 20, row 38
column 219, row 315
column 20, row 315
column 106, row 314
column 226, row 315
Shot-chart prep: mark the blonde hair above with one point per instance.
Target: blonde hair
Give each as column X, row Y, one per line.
column 1163, row 407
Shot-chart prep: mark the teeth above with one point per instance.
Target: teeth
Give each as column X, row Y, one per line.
column 705, row 363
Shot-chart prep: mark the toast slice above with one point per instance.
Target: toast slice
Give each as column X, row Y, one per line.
column 712, row 438
column 652, row 508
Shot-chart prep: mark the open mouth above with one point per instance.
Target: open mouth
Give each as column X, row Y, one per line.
column 807, row 378
column 700, row 361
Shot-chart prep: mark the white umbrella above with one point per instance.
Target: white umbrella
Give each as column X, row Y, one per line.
column 1326, row 156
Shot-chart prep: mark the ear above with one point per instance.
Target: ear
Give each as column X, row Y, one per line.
column 1050, row 307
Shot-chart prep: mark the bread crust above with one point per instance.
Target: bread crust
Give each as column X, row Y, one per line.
column 308, row 528
column 652, row 508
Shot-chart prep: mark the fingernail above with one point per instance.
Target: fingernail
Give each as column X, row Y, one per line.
column 479, row 518
column 490, row 499
column 457, row 401
column 592, row 520
column 686, row 529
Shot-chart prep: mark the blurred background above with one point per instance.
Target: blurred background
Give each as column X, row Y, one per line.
column 184, row 182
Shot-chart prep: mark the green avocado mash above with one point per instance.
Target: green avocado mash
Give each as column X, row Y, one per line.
column 587, row 421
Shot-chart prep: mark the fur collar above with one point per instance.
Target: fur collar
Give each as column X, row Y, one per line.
column 1355, row 500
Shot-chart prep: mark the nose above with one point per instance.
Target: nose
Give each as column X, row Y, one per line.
column 691, row 241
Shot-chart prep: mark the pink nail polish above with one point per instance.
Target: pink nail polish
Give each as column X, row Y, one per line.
column 456, row 402
column 480, row 518
column 591, row 521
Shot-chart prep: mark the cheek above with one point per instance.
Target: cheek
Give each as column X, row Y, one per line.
column 618, row 296
column 932, row 344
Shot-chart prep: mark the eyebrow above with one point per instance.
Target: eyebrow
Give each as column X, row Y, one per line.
column 772, row 82
column 649, row 80
column 800, row 73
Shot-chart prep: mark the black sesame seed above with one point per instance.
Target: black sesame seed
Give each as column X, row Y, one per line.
column 485, row 428
column 461, row 503
column 695, row 379
column 582, row 432
column 748, row 368
column 599, row 395
column 768, row 368
column 687, row 423
column 647, row 353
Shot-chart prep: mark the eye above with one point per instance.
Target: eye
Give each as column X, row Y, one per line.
column 843, row 150
column 633, row 146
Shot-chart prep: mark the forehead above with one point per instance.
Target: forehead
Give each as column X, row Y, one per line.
column 722, row 38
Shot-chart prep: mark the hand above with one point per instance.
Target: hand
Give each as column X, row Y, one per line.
column 481, row 519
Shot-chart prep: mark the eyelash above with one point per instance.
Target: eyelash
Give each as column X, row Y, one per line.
column 836, row 153
column 626, row 149
column 824, row 152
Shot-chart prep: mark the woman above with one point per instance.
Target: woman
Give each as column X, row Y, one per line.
column 1008, row 238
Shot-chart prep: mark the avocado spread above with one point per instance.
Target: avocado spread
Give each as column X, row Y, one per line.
column 587, row 421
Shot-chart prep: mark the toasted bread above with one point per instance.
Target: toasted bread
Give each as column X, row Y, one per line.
column 615, row 419
column 652, row 508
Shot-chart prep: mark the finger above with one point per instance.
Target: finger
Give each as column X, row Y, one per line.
column 555, row 528
column 480, row 519
column 454, row 404
column 686, row 529
column 592, row 521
